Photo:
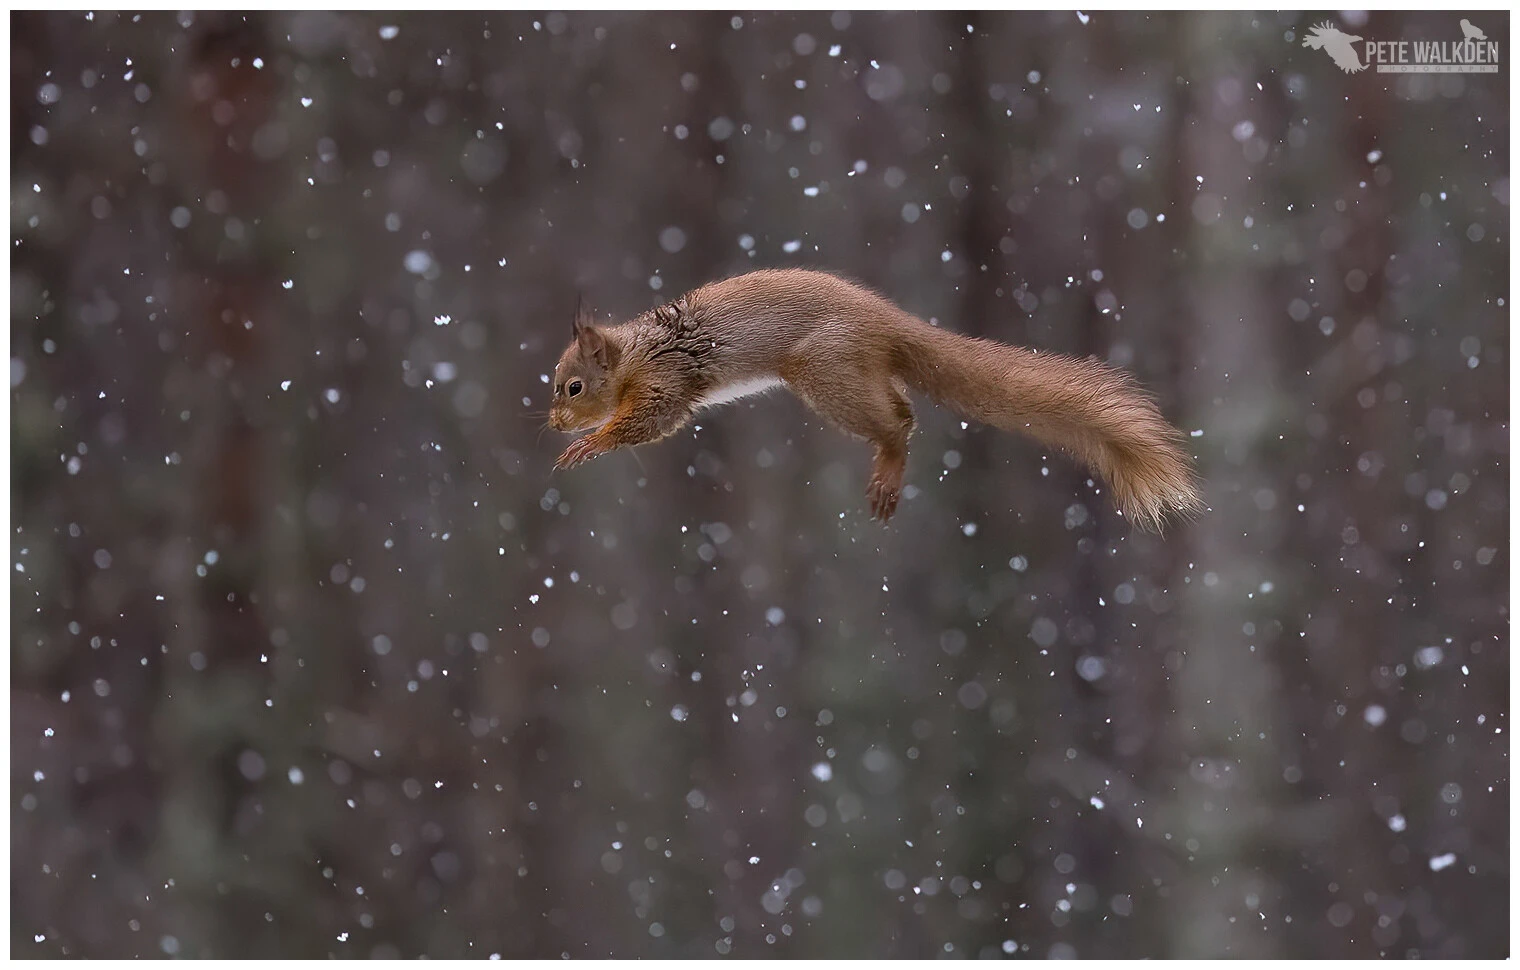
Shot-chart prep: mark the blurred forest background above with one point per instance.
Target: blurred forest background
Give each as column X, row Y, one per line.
column 312, row 654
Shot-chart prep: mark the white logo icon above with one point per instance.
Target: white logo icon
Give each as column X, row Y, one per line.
column 1340, row 46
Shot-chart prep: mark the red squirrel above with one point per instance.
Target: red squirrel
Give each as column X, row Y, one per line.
column 851, row 355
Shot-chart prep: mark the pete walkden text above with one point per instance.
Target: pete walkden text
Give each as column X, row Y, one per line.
column 1434, row 56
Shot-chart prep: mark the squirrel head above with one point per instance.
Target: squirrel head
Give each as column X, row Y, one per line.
column 584, row 395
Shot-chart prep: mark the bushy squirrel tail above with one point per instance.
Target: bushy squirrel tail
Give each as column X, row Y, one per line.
column 1097, row 414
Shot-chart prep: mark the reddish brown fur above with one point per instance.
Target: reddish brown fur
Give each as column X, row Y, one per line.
column 852, row 355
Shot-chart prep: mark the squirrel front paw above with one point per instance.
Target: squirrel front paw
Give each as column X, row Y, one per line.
column 581, row 450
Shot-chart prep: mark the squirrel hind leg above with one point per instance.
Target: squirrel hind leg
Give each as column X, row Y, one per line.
column 877, row 411
column 891, row 461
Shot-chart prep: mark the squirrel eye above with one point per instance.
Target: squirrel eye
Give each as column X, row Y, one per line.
column 573, row 388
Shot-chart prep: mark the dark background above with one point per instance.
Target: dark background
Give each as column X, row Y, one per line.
column 312, row 654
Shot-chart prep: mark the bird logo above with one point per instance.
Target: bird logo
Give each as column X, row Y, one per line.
column 1469, row 32
column 1330, row 39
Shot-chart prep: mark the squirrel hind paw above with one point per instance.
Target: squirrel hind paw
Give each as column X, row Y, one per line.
column 883, row 496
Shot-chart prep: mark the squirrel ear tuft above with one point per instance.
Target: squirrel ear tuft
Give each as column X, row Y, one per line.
column 591, row 338
column 582, row 321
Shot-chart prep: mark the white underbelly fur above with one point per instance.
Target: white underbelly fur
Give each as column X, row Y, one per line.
column 732, row 392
